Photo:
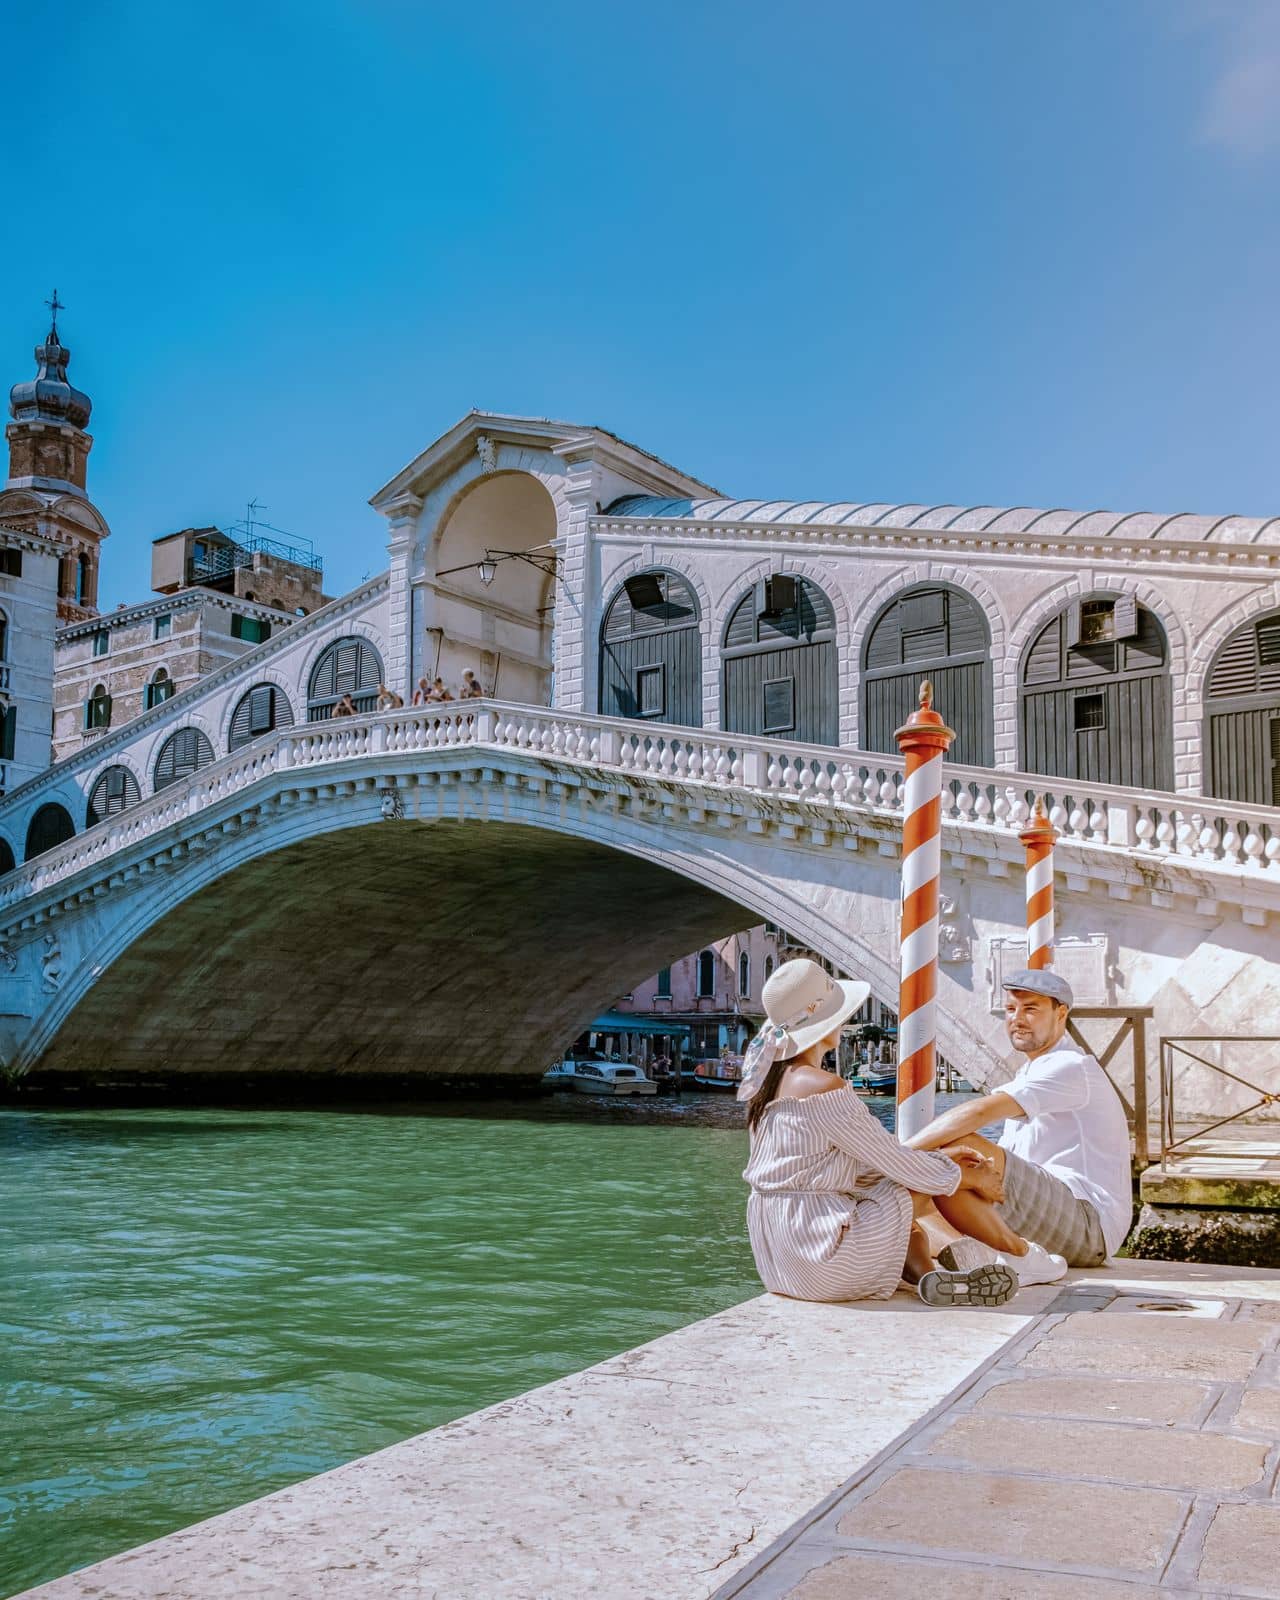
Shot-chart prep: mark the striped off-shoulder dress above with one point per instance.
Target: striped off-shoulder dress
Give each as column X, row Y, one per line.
column 830, row 1213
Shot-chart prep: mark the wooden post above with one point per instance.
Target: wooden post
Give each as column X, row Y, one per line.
column 1038, row 837
column 924, row 740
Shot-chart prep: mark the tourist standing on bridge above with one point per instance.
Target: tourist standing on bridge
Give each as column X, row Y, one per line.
column 833, row 1194
column 388, row 699
column 471, row 689
column 346, row 707
column 1063, row 1157
column 422, row 693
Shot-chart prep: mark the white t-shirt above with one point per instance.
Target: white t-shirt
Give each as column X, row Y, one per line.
column 1075, row 1127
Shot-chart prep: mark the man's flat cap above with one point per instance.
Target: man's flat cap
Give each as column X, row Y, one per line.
column 1041, row 983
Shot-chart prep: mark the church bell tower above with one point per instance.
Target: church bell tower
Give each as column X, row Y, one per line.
column 48, row 456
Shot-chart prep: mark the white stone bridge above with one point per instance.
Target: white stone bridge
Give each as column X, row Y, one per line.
column 234, row 883
column 454, row 895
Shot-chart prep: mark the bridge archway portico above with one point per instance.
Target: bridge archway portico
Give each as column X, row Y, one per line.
column 579, row 468
column 496, row 618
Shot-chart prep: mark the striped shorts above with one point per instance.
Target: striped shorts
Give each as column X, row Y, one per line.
column 1041, row 1207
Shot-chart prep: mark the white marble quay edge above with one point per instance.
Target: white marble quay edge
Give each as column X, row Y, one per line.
column 657, row 1473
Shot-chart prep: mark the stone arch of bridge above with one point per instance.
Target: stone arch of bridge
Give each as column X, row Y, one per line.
column 262, row 676
column 952, row 576
column 332, row 943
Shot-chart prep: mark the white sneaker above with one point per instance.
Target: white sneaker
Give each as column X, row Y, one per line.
column 1037, row 1266
column 962, row 1255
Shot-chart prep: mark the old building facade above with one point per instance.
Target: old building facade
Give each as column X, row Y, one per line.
column 116, row 666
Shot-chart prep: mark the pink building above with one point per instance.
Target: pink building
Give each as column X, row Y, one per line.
column 715, row 991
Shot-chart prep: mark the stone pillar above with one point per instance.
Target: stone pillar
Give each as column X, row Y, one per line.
column 575, row 624
column 403, row 515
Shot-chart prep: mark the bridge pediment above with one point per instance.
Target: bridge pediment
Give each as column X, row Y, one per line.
column 484, row 441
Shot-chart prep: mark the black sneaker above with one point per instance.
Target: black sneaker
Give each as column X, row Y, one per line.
column 990, row 1285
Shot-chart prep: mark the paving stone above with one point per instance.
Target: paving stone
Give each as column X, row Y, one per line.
column 979, row 1514
column 1260, row 1411
column 1137, row 1361
column 1152, row 1346
column 893, row 1578
column 1165, row 1329
column 1242, row 1550
column 1143, row 1400
column 1157, row 1457
column 1261, row 1311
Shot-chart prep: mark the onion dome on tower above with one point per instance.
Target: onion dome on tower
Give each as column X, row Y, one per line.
column 48, row 447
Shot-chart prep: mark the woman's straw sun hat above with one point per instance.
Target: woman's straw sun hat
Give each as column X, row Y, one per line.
column 807, row 1004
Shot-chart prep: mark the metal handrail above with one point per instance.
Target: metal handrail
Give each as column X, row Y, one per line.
column 1171, row 1047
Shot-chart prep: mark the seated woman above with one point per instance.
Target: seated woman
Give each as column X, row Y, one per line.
column 834, row 1196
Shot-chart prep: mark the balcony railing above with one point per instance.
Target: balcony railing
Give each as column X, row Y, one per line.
column 1210, row 836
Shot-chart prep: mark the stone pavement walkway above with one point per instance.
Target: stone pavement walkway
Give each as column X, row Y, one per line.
column 1125, row 1442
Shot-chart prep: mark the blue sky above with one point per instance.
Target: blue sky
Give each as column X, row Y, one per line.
column 993, row 252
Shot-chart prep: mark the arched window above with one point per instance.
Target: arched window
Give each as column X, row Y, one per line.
column 779, row 663
column 663, row 991
column 261, row 709
column 768, row 968
column 938, row 633
column 706, row 974
column 347, row 666
column 1242, row 715
column 4, row 637
column 182, row 753
column 50, row 827
column 84, row 581
column 1095, row 703
column 651, row 651
column 7, row 862
column 159, row 689
column 113, row 791
column 97, row 708
column 744, row 974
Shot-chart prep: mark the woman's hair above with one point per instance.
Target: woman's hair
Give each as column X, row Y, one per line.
column 765, row 1094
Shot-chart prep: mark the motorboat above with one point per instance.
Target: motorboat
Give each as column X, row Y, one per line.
column 875, row 1078
column 718, row 1072
column 589, row 1072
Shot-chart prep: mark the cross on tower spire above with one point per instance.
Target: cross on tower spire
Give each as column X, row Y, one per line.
column 55, row 305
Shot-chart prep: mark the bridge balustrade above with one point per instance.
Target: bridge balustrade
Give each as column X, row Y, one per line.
column 1159, row 827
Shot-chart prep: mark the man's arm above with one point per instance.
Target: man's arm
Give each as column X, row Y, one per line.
column 963, row 1119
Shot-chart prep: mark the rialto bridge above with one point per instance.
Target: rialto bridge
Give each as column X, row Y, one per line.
column 234, row 882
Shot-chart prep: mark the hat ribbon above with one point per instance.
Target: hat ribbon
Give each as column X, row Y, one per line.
column 759, row 1058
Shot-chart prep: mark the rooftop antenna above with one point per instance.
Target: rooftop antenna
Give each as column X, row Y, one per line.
column 55, row 305
column 253, row 506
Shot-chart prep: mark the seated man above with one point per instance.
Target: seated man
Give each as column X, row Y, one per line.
column 1064, row 1153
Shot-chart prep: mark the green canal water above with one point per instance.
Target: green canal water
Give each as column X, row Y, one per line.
column 198, row 1307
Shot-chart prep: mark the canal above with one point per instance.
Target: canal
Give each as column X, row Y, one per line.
column 201, row 1306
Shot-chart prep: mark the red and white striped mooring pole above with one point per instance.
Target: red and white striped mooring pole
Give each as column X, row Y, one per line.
column 1038, row 836
column 923, row 740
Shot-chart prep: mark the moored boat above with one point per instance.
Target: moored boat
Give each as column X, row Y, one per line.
column 588, row 1072
column 718, row 1072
